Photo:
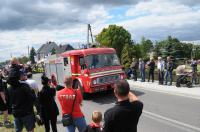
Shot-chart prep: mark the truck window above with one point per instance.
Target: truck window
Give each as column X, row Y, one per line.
column 82, row 63
column 65, row 61
column 102, row 60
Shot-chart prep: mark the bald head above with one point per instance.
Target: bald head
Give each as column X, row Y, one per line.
column 68, row 82
column 168, row 58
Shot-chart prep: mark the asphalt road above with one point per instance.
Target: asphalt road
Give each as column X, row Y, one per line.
column 162, row 112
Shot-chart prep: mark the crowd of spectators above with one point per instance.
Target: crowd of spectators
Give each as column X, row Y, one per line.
column 164, row 70
column 29, row 105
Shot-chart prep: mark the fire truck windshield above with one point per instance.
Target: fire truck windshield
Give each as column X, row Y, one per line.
column 102, row 60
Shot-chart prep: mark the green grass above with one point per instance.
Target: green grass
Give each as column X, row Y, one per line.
column 3, row 129
column 198, row 68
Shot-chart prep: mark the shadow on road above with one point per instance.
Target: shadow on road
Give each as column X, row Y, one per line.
column 137, row 93
column 103, row 98
column 108, row 98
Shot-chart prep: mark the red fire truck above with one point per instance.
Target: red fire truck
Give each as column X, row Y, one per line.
column 92, row 69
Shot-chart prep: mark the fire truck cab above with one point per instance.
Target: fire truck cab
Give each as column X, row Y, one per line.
column 92, row 70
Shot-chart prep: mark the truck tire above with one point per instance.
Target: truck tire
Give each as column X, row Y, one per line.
column 177, row 84
column 189, row 85
column 77, row 85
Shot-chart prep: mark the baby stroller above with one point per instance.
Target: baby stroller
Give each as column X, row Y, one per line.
column 184, row 76
column 129, row 73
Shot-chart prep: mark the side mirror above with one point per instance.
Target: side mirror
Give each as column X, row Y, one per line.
column 83, row 66
column 65, row 61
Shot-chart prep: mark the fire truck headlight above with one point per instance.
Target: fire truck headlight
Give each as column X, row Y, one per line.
column 122, row 77
column 94, row 82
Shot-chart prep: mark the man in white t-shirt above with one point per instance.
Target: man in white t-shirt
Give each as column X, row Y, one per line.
column 161, row 67
column 32, row 83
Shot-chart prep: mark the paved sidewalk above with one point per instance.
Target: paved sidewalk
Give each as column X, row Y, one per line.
column 193, row 92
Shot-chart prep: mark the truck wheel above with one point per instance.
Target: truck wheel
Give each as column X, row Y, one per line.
column 77, row 85
column 189, row 85
column 178, row 85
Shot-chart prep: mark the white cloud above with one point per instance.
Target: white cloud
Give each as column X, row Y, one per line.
column 33, row 23
column 17, row 42
column 186, row 2
column 157, row 8
column 98, row 14
column 158, row 19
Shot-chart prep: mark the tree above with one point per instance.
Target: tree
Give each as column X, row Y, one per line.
column 146, row 47
column 195, row 51
column 23, row 60
column 187, row 49
column 173, row 47
column 114, row 36
column 128, row 53
column 53, row 51
column 32, row 55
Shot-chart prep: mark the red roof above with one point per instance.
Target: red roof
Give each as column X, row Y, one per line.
column 89, row 51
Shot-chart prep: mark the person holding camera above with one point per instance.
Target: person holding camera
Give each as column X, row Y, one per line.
column 22, row 99
column 124, row 116
column 48, row 107
column 70, row 101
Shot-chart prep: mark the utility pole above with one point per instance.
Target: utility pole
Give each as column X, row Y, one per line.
column 11, row 55
column 28, row 50
column 89, row 34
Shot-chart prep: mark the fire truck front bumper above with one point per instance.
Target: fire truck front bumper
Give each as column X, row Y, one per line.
column 105, row 87
column 104, row 83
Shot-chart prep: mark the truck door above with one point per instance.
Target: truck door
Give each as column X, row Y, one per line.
column 63, row 69
column 67, row 66
column 75, row 65
column 78, row 65
column 82, row 65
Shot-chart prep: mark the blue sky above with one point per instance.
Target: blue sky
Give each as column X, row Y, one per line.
column 26, row 23
column 119, row 14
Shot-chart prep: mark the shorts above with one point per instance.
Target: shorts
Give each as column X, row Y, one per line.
column 27, row 121
column 3, row 106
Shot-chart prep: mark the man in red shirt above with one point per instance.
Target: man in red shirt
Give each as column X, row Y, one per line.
column 66, row 98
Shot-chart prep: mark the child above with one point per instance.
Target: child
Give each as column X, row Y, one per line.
column 95, row 126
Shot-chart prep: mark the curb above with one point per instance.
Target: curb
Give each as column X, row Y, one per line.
column 164, row 91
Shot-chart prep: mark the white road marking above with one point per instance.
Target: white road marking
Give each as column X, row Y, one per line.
column 172, row 121
column 170, row 124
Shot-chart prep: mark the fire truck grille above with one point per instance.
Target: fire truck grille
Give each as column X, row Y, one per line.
column 107, row 79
